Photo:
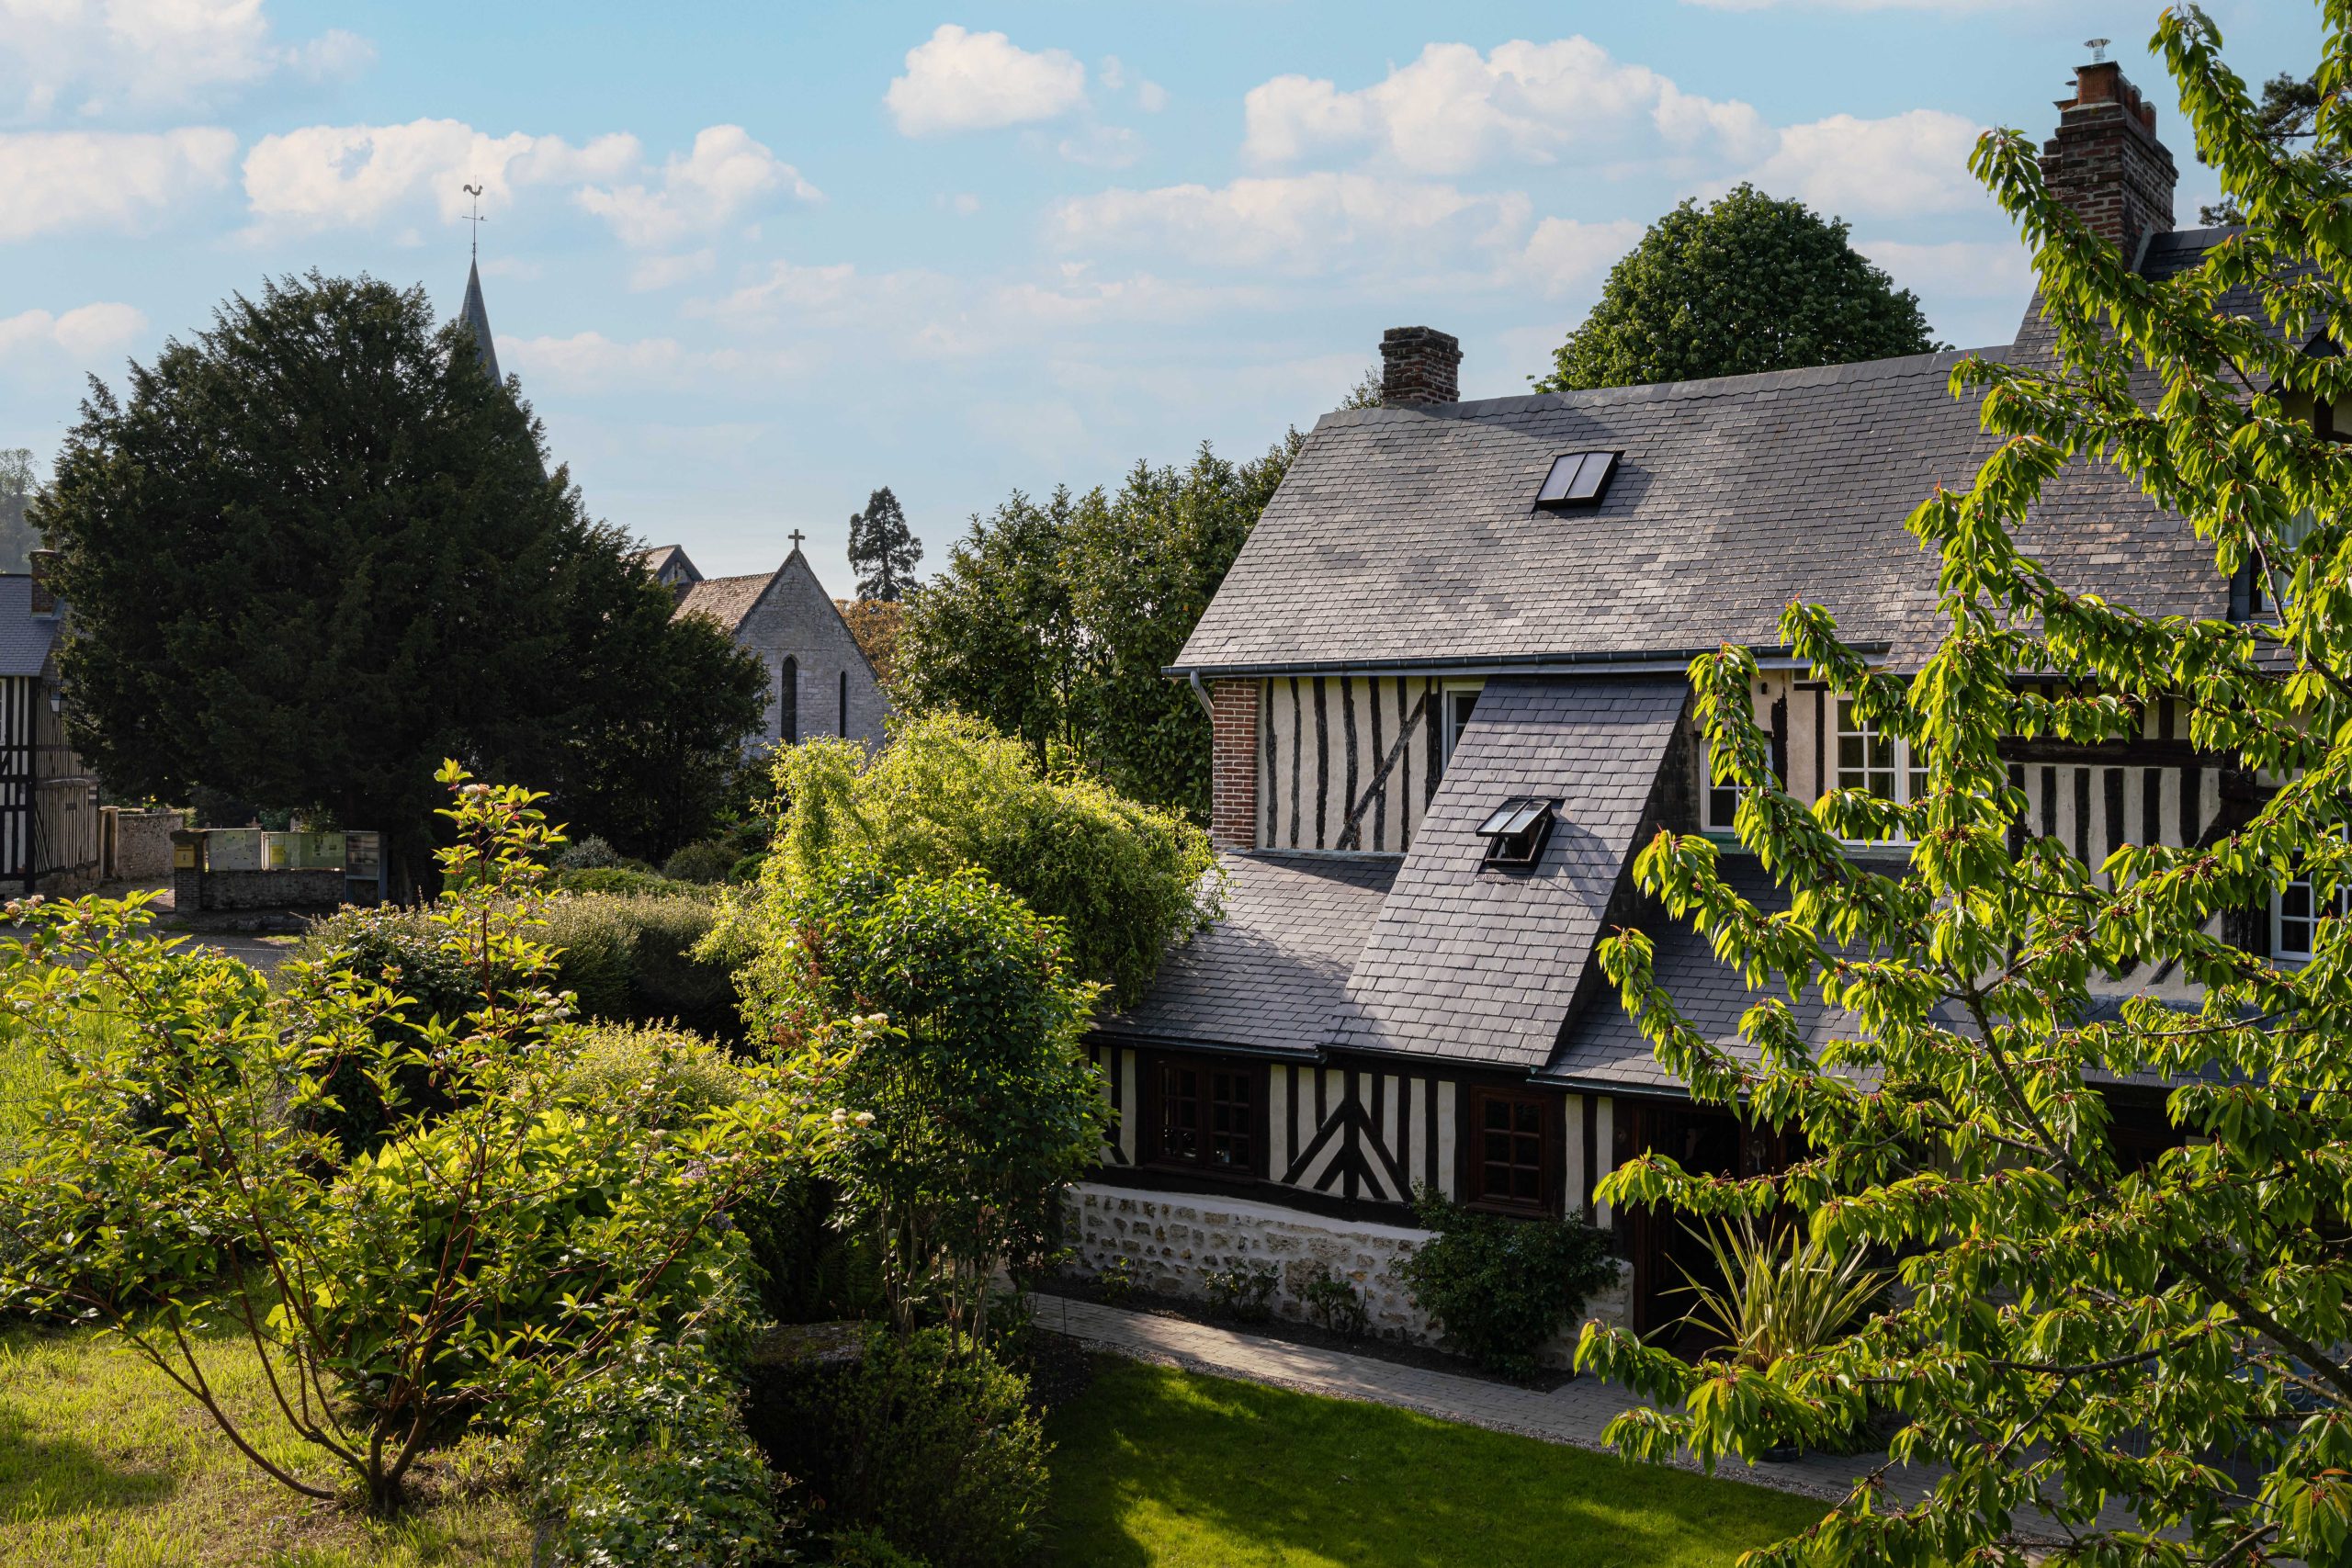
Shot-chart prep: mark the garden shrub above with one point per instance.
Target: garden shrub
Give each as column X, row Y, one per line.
column 627, row 879
column 703, row 861
column 1246, row 1290
column 928, row 1440
column 400, row 947
column 864, row 1549
column 648, row 1461
column 948, row 794
column 589, row 853
column 1335, row 1303
column 647, row 1062
column 632, row 960
column 970, row 1105
column 1498, row 1286
column 806, row 1267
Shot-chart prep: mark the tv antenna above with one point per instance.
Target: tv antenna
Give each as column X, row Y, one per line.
column 476, row 218
column 2097, row 46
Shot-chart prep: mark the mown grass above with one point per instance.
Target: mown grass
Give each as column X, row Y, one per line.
column 104, row 1465
column 1155, row 1468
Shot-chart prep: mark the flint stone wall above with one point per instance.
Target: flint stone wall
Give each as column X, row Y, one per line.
column 1172, row 1241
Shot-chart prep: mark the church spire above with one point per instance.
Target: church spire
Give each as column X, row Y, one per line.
column 477, row 317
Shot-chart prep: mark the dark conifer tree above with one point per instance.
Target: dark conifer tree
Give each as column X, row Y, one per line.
column 882, row 551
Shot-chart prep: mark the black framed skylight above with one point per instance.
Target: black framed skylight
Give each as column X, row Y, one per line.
column 1579, row 478
column 1516, row 831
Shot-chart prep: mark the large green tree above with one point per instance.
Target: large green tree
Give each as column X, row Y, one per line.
column 314, row 549
column 1053, row 622
column 1745, row 284
column 2078, row 1328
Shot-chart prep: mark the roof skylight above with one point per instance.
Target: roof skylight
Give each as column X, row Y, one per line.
column 1577, row 479
column 1516, row 831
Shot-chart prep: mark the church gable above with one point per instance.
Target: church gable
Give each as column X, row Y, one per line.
column 820, row 680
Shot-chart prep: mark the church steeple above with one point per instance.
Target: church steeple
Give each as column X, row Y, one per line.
column 478, row 321
column 476, row 316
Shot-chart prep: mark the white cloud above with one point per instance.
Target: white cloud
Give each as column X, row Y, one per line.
column 726, row 172
column 965, row 80
column 963, row 203
column 1101, row 147
column 58, row 181
column 81, row 334
column 1300, row 223
column 591, row 361
column 1150, row 97
column 1566, row 256
column 665, row 272
column 326, row 174
column 1912, row 163
column 1453, row 109
column 93, row 57
column 1966, row 268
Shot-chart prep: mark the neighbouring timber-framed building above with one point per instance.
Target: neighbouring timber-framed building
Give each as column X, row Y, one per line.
column 1447, row 685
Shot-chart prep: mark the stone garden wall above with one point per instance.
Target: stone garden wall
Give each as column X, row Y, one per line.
column 143, row 844
column 256, row 890
column 1172, row 1241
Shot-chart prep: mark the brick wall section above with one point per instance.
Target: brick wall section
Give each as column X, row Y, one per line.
column 1233, row 765
column 2105, row 162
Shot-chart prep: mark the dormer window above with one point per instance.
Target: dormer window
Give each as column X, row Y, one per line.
column 1577, row 480
column 1515, row 833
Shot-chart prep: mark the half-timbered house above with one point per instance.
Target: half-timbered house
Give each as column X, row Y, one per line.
column 1447, row 685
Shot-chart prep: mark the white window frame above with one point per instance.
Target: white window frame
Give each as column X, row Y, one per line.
column 1453, row 689
column 2336, row 908
column 1708, row 790
column 1908, row 773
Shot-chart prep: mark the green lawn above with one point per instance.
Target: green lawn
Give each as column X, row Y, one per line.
column 104, row 1464
column 1159, row 1469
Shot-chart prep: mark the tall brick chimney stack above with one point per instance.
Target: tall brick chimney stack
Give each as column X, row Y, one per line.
column 1420, row 364
column 2105, row 162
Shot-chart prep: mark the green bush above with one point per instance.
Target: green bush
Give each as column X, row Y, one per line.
column 590, row 852
column 1500, row 1287
column 633, row 878
column 927, row 1440
column 704, row 861
column 806, row 1267
column 399, row 947
column 948, row 794
column 1336, row 1303
column 863, row 1549
column 650, row 1462
column 628, row 1062
column 631, row 959
column 1244, row 1291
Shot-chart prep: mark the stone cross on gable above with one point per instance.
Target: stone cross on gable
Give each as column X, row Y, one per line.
column 795, row 537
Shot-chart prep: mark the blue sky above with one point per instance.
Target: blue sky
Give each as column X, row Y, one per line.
column 751, row 261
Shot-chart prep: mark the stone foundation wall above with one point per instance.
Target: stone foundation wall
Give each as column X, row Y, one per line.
column 143, row 844
column 1172, row 1241
column 258, row 890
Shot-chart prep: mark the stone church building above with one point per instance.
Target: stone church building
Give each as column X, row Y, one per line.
column 820, row 682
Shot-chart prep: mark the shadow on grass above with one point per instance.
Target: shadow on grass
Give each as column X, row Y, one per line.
column 44, row 1477
column 1159, row 1469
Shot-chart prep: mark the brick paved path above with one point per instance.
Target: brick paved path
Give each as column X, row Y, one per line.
column 1574, row 1413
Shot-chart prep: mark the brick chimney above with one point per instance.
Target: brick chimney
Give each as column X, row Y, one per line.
column 1233, row 764
column 44, row 574
column 1420, row 364
column 2105, row 162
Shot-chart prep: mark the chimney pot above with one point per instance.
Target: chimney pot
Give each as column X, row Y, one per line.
column 1419, row 366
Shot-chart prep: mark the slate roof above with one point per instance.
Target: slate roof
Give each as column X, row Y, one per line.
column 26, row 639
column 1602, row 1048
column 476, row 315
column 1272, row 972
column 1408, row 536
column 726, row 600
column 661, row 557
column 1482, row 966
